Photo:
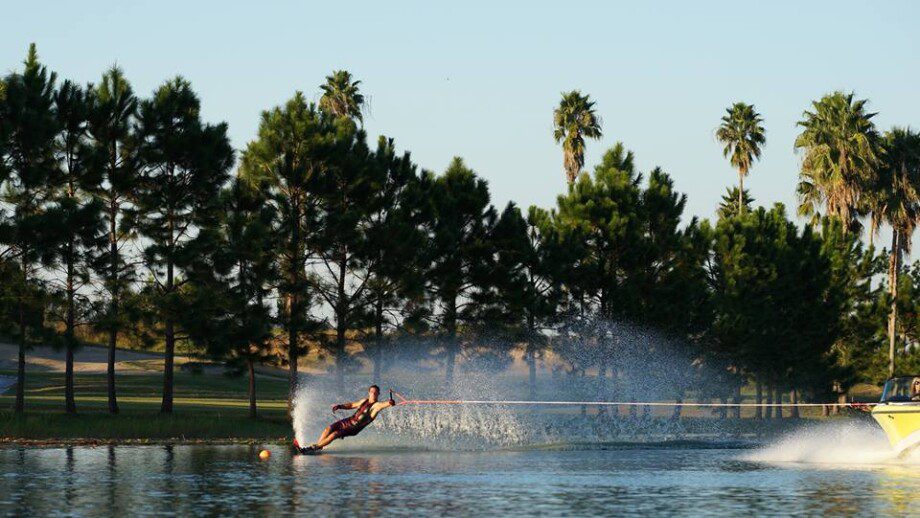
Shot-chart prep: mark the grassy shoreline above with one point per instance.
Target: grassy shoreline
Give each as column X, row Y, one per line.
column 208, row 408
column 140, row 427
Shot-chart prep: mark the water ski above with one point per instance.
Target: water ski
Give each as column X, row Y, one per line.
column 309, row 450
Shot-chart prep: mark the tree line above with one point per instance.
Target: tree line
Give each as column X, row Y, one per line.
column 125, row 215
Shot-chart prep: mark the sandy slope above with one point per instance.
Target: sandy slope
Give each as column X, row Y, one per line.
column 89, row 359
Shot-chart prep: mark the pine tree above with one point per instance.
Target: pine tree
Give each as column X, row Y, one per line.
column 603, row 213
column 778, row 301
column 184, row 163
column 111, row 119
column 344, row 194
column 78, row 213
column 284, row 161
column 225, row 307
column 460, row 254
column 394, row 252
column 526, row 280
column 30, row 124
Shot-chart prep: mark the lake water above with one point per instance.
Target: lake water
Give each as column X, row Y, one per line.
column 677, row 479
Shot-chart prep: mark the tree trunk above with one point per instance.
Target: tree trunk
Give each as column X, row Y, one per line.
column 292, row 349
column 532, row 371
column 451, row 359
column 253, row 410
column 768, row 409
column 70, row 405
column 451, row 325
column 169, row 357
column 893, row 267
column 740, row 193
column 794, row 400
column 736, row 411
column 168, row 370
column 378, row 361
column 601, row 383
column 758, row 411
column 841, row 402
column 675, row 414
column 531, row 355
column 20, row 405
column 341, row 320
column 378, row 339
column 292, row 299
column 778, row 397
column 113, row 303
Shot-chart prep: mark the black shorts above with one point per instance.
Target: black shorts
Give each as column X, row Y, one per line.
column 345, row 428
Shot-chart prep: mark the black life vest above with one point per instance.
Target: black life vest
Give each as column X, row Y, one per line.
column 362, row 416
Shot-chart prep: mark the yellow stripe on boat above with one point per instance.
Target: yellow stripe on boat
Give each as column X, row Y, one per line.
column 901, row 423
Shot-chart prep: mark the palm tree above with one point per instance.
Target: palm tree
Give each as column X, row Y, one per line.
column 742, row 134
column 897, row 202
column 842, row 152
column 574, row 120
column 342, row 97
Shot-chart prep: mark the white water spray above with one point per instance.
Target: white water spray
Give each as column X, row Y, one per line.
column 601, row 391
column 839, row 443
column 305, row 415
column 431, row 427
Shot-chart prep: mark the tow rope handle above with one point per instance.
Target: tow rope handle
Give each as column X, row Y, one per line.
column 402, row 400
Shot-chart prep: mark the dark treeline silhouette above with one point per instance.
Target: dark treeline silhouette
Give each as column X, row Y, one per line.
column 124, row 215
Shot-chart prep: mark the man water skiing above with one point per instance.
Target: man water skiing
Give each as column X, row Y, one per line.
column 367, row 410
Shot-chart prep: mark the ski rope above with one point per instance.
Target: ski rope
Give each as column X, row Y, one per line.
column 404, row 401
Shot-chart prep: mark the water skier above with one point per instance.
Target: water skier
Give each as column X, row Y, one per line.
column 367, row 410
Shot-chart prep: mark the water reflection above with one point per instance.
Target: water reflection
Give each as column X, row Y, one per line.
column 231, row 480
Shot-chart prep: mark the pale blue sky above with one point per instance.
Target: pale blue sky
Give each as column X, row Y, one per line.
column 480, row 79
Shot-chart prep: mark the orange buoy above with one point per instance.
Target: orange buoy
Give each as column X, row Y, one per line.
column 265, row 454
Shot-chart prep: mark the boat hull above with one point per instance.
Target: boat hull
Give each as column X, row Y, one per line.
column 901, row 423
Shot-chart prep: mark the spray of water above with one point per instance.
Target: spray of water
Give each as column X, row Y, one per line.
column 842, row 443
column 430, row 427
column 472, row 427
column 304, row 415
column 604, row 361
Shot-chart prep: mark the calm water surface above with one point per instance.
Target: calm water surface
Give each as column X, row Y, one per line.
column 231, row 480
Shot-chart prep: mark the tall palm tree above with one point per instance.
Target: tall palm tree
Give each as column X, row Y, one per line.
column 742, row 134
column 342, row 97
column 574, row 120
column 842, row 152
column 897, row 202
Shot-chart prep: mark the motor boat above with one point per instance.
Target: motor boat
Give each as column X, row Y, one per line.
column 898, row 413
